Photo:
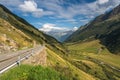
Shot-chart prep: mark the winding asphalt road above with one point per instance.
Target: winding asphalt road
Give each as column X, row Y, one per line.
column 10, row 59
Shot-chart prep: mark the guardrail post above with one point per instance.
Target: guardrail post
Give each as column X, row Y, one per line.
column 18, row 62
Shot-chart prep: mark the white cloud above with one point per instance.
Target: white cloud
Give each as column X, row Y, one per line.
column 103, row 1
column 75, row 28
column 52, row 27
column 31, row 7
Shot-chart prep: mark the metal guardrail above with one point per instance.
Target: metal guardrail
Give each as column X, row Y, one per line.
column 19, row 60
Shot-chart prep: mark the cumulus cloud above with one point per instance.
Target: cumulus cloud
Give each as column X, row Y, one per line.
column 31, row 7
column 52, row 27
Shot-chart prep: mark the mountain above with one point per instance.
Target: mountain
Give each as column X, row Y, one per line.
column 60, row 35
column 105, row 27
column 16, row 33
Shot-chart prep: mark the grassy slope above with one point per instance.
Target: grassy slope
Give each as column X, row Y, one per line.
column 85, row 56
column 63, row 66
column 12, row 34
column 91, row 49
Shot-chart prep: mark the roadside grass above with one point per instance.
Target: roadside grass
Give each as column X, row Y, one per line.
column 27, row 72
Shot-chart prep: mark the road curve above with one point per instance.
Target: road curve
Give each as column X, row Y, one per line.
column 10, row 59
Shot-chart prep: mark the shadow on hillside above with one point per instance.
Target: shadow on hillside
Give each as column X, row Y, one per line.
column 111, row 41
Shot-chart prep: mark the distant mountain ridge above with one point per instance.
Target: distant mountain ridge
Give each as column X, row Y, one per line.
column 105, row 27
column 60, row 35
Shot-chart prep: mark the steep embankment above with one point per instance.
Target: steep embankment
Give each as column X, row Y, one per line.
column 60, row 64
column 105, row 27
column 51, row 59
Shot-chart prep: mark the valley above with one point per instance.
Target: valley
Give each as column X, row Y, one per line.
column 91, row 52
column 102, row 65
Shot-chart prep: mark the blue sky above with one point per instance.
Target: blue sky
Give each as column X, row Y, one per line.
column 59, row 14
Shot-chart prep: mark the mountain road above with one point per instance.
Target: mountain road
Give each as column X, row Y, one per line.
column 11, row 59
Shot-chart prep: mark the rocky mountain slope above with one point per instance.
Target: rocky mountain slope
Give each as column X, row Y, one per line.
column 16, row 33
column 105, row 27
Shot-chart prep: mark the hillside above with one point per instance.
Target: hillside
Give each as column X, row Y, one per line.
column 16, row 33
column 93, row 58
column 105, row 27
